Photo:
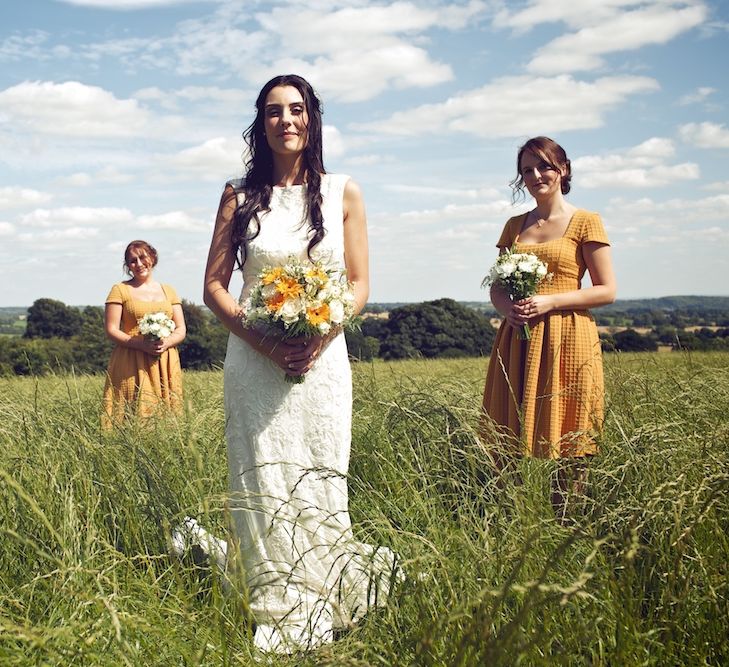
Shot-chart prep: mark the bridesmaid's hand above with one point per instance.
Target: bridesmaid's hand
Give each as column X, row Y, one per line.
column 151, row 347
column 162, row 345
column 534, row 306
column 518, row 314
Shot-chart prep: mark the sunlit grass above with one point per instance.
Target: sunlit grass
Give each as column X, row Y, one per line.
column 640, row 578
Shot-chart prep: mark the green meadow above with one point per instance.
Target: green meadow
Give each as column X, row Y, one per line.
column 641, row 576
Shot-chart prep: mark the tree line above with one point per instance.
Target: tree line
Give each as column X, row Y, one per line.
column 58, row 337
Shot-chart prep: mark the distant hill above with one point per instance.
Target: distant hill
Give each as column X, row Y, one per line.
column 13, row 311
column 686, row 302
column 683, row 302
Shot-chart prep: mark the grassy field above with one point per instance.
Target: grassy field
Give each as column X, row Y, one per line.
column 641, row 578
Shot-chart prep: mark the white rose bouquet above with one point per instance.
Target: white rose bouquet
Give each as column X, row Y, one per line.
column 520, row 274
column 300, row 299
column 156, row 326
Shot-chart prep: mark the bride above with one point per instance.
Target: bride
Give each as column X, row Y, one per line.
column 288, row 444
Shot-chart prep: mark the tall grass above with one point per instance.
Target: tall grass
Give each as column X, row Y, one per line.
column 640, row 578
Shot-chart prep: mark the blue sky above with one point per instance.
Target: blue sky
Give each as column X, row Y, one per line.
column 122, row 119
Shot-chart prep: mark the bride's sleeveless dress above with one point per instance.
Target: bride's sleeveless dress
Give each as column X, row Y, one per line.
column 288, row 455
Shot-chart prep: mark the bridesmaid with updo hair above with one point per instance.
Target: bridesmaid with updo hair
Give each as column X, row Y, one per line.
column 144, row 374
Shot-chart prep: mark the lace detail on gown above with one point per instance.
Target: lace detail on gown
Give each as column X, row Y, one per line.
column 288, row 457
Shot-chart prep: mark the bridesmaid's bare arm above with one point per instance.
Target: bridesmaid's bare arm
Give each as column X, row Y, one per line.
column 604, row 286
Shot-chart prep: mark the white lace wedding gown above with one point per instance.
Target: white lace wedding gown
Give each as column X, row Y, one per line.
column 288, row 455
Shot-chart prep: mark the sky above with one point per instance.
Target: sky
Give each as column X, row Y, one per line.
column 122, row 119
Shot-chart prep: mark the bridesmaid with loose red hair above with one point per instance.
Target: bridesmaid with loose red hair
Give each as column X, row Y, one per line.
column 546, row 394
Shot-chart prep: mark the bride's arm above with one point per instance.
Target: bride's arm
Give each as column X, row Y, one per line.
column 219, row 268
column 218, row 271
column 356, row 252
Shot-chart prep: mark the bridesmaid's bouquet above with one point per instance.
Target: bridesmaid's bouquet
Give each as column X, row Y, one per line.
column 300, row 299
column 519, row 274
column 156, row 326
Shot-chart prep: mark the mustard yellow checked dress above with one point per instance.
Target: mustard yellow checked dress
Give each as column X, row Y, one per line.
column 548, row 392
column 138, row 382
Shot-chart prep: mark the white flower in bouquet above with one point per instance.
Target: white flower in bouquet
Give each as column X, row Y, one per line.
column 336, row 311
column 520, row 275
column 292, row 309
column 526, row 264
column 156, row 326
column 505, row 269
column 300, row 299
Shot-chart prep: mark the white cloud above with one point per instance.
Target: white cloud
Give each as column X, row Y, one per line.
column 334, row 143
column 601, row 27
column 211, row 45
column 125, row 4
column 361, row 28
column 6, row 229
column 456, row 193
column 72, row 109
column 356, row 53
column 17, row 197
column 76, row 217
column 354, row 76
column 719, row 186
column 174, row 220
column 710, row 28
column 643, row 166
column 699, row 95
column 106, row 175
column 574, row 14
column 705, row 135
column 501, row 108
column 78, row 180
column 475, row 212
column 209, row 99
column 67, row 234
column 212, row 160
column 652, row 177
column 20, row 47
column 674, row 213
column 348, row 53
column 628, row 31
column 369, row 159
column 652, row 149
column 678, row 225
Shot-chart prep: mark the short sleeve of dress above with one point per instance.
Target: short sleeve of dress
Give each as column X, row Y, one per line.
column 115, row 295
column 593, row 229
column 511, row 229
column 171, row 294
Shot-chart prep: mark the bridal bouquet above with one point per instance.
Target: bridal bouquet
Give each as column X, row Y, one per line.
column 519, row 273
column 300, row 299
column 156, row 326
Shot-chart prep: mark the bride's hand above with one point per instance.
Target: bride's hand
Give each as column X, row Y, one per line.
column 303, row 354
column 295, row 356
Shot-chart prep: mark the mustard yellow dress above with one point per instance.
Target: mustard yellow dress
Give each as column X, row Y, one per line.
column 138, row 382
column 547, row 393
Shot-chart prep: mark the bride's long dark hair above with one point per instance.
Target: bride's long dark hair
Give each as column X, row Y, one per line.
column 258, row 183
